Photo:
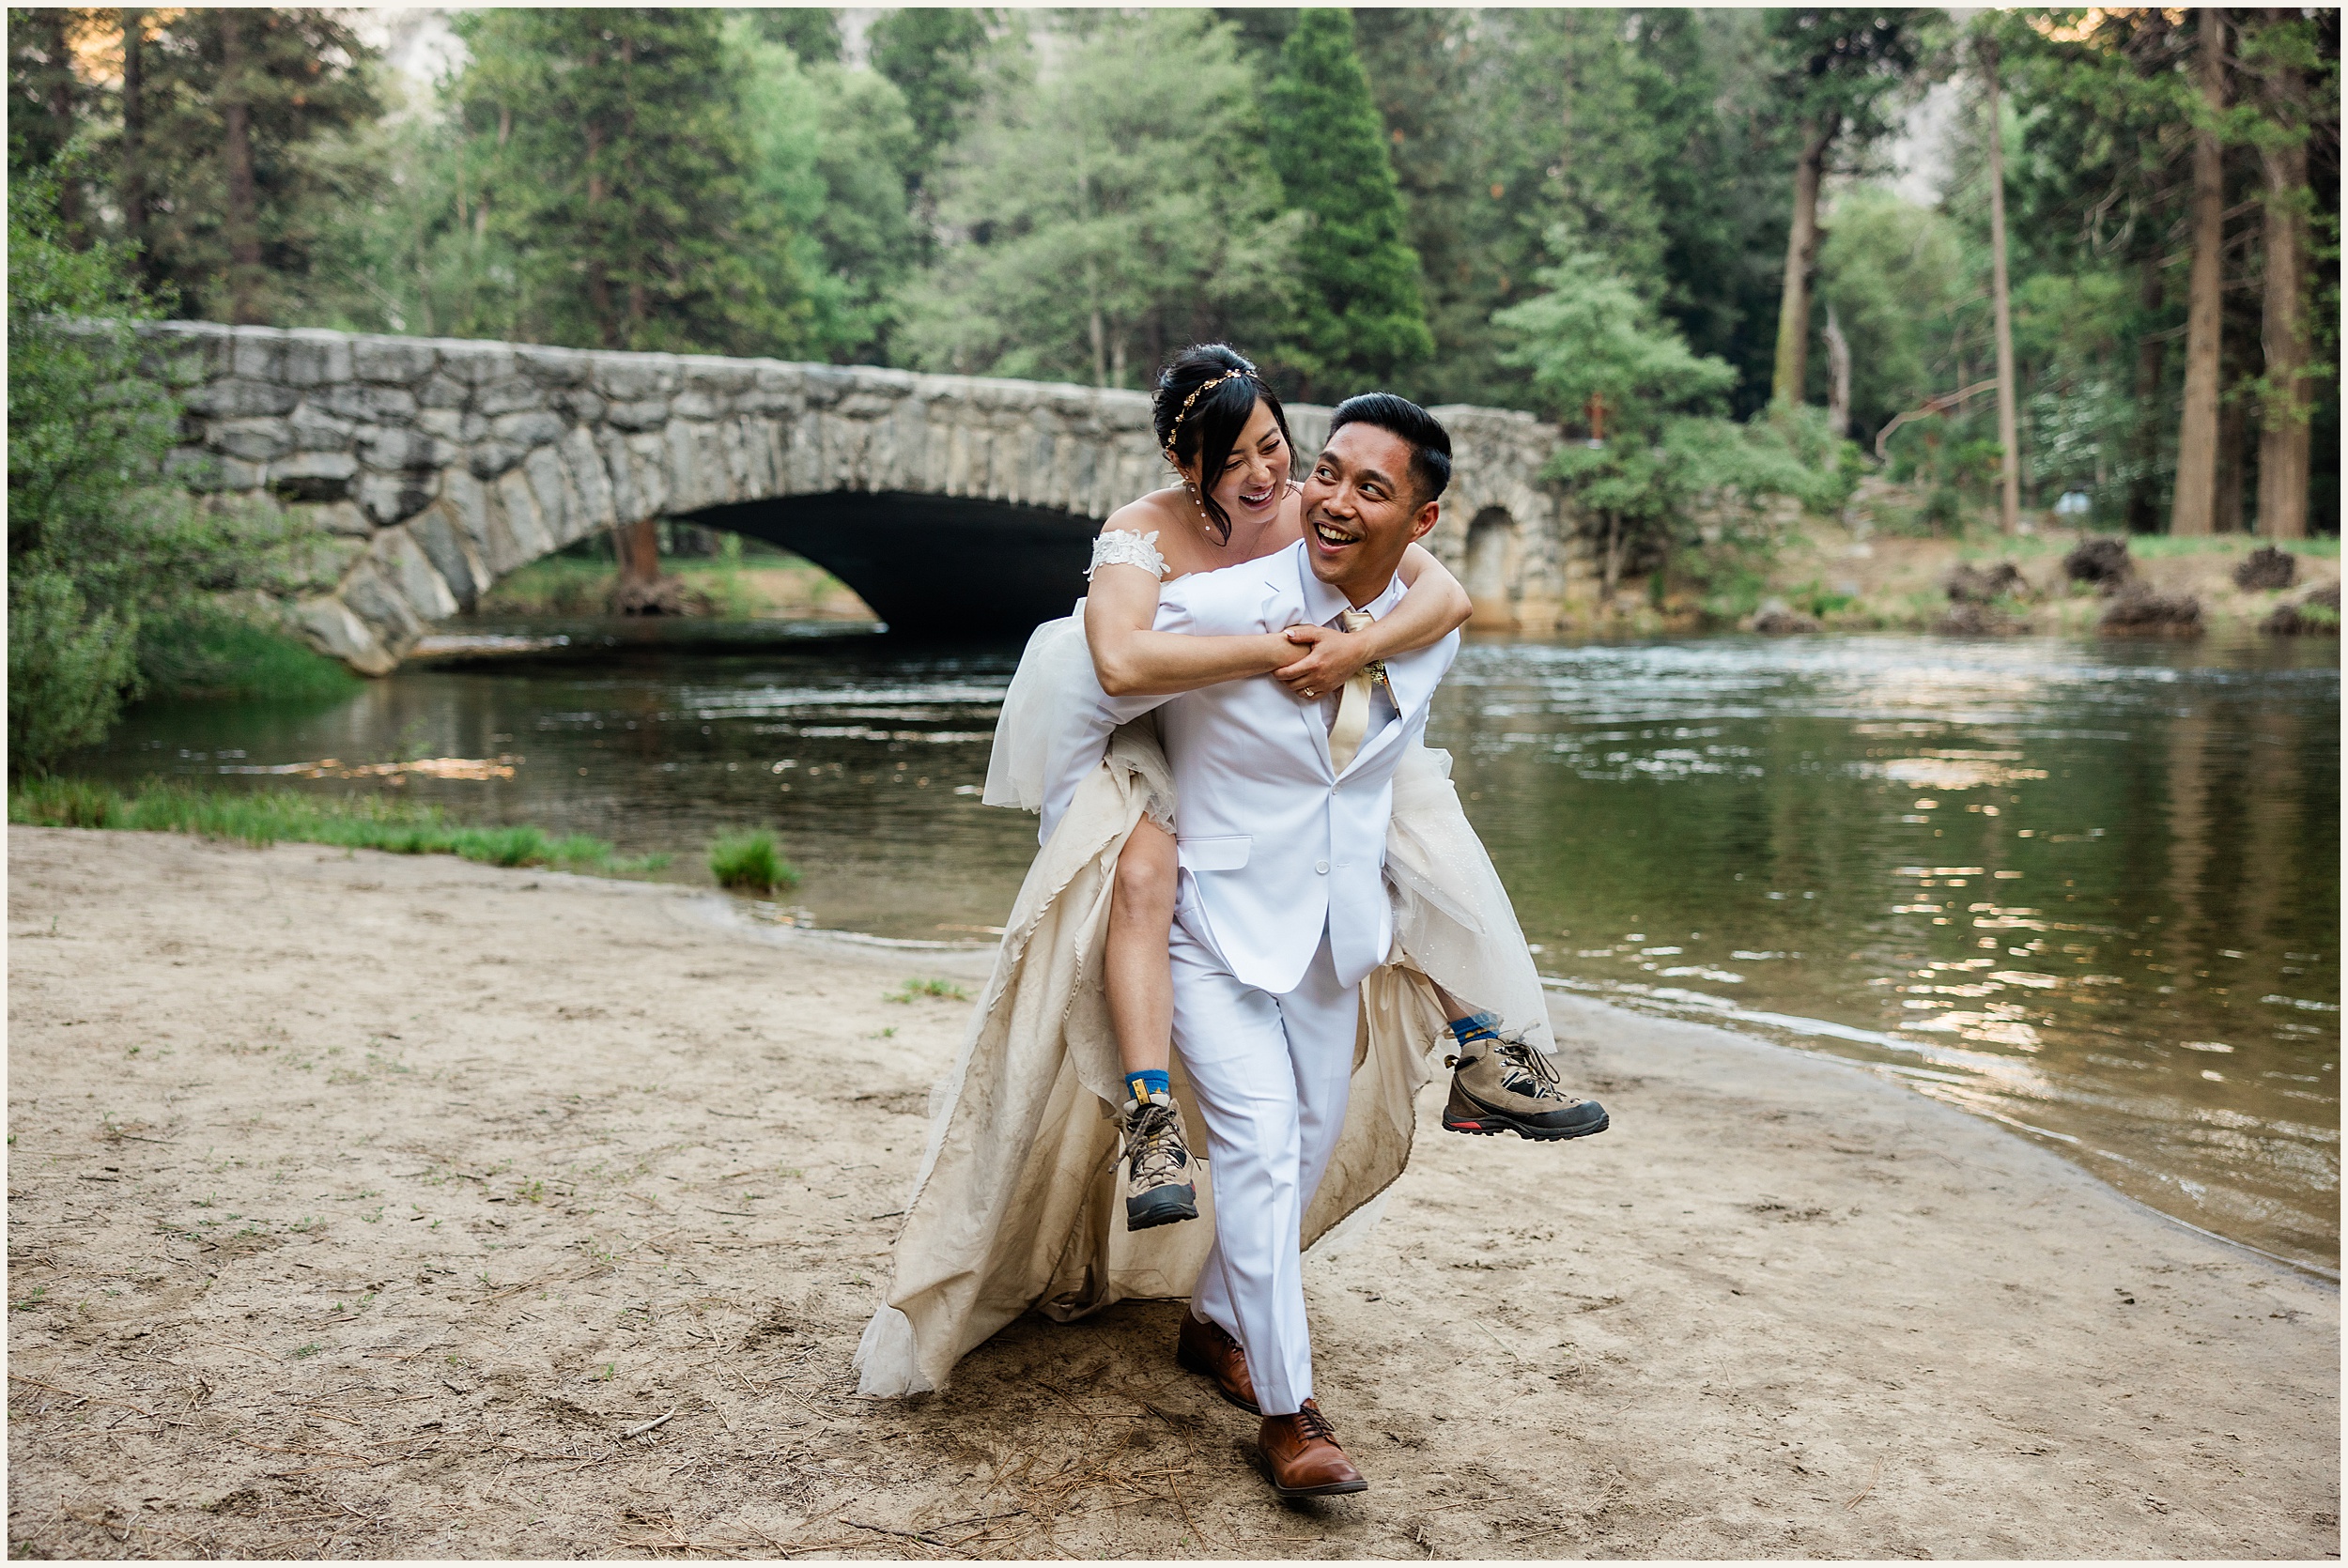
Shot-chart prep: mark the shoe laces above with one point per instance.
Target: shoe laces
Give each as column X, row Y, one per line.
column 1153, row 1141
column 1530, row 1072
column 1314, row 1425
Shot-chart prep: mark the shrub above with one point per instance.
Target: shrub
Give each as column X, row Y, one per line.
column 2316, row 615
column 2266, row 569
column 2139, row 611
column 1668, row 454
column 101, row 547
column 2102, row 561
column 68, row 667
column 750, row 862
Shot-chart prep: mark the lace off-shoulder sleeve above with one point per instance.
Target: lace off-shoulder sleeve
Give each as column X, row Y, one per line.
column 1123, row 547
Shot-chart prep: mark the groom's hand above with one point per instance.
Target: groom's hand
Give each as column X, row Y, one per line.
column 1328, row 660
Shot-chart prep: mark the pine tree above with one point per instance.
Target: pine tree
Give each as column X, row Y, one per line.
column 1364, row 320
column 1840, row 71
column 621, row 181
column 1105, row 216
column 813, row 33
column 237, row 111
column 48, row 99
column 932, row 53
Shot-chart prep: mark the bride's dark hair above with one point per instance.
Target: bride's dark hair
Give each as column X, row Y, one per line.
column 1203, row 402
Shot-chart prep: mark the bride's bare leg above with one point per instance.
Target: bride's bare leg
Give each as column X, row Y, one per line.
column 1140, row 980
column 1141, row 983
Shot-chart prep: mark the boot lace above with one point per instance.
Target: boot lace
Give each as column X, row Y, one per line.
column 1153, row 1141
column 1312, row 1423
column 1530, row 1073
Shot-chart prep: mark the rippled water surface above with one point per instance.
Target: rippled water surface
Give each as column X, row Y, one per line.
column 2090, row 890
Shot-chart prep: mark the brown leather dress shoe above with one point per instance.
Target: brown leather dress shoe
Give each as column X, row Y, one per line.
column 1203, row 1347
column 1303, row 1455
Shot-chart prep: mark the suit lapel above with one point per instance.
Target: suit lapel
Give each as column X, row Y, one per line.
column 1413, row 678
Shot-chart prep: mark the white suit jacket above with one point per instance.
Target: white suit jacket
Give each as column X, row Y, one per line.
column 1273, row 839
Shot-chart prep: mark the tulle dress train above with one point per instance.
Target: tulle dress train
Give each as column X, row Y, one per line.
column 1014, row 1207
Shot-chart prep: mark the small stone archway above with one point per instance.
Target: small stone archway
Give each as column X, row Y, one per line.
column 1491, row 567
column 930, row 565
column 432, row 468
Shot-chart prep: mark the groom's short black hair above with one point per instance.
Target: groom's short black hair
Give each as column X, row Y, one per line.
column 1428, row 441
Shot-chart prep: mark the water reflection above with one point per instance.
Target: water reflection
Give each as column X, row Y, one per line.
column 2090, row 891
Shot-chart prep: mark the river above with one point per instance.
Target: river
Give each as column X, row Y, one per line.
column 2088, row 889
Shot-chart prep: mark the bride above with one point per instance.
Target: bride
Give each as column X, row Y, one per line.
column 1069, row 1055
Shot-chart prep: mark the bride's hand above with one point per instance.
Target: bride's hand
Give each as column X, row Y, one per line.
column 1328, row 660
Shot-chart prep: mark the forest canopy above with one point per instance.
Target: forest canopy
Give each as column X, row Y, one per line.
column 1723, row 215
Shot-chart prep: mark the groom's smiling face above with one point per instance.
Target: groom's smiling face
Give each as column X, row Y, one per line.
column 1362, row 509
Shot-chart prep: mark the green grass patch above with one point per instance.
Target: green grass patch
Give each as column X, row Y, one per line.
column 943, row 991
column 1819, row 600
column 273, row 816
column 743, row 581
column 750, row 862
column 554, row 585
column 212, row 653
column 2156, row 546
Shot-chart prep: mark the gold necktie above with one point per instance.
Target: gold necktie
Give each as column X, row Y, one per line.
column 1345, row 736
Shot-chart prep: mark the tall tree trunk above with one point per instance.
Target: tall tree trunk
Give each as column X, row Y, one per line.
column 1802, row 257
column 634, row 258
column 2233, row 450
column 60, row 104
column 2194, row 511
column 243, row 219
column 598, row 279
column 637, row 547
column 1837, row 381
column 2152, row 353
column 2010, row 459
column 2283, row 329
column 133, row 183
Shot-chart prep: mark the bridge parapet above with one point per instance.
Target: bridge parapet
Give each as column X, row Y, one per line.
column 437, row 466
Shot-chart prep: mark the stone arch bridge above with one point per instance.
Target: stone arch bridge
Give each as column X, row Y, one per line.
column 953, row 504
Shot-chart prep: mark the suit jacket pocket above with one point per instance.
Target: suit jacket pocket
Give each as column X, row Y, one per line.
column 1227, row 852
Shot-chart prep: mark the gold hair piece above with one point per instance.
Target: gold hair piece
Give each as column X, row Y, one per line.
column 1175, row 431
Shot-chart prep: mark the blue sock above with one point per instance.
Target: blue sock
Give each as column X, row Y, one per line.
column 1475, row 1026
column 1141, row 1085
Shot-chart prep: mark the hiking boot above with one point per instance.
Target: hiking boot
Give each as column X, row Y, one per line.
column 1158, row 1187
column 1503, row 1084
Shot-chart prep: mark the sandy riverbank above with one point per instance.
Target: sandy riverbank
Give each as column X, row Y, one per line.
column 362, row 1206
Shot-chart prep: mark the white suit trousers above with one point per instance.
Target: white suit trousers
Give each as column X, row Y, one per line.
column 1271, row 1075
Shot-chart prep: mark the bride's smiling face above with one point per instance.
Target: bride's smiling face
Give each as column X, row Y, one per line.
column 1254, row 480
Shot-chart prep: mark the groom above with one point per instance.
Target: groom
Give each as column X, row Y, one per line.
column 1282, row 910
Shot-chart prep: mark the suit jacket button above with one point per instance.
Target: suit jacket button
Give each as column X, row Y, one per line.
column 1321, row 866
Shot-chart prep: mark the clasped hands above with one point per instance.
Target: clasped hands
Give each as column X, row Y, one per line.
column 1330, row 658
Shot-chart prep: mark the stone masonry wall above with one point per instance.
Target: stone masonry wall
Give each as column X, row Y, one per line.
column 438, row 466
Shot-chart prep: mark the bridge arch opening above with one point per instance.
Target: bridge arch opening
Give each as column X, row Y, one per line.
column 929, row 565
column 1487, row 566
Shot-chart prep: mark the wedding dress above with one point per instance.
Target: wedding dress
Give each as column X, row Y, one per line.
column 1015, row 1203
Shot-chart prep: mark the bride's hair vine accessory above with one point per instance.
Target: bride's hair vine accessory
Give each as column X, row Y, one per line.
column 1175, row 430
column 1204, row 399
